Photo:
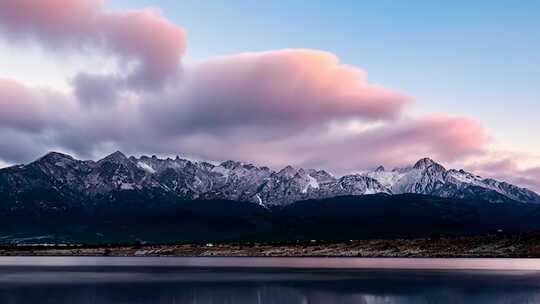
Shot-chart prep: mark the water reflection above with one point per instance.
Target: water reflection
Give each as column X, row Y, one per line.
column 133, row 285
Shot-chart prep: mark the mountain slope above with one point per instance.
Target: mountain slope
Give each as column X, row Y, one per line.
column 127, row 216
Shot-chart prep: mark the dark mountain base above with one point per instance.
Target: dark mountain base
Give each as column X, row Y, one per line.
column 128, row 216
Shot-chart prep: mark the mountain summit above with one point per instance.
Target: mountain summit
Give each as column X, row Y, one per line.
column 63, row 176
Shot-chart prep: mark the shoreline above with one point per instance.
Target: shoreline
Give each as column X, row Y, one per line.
column 522, row 245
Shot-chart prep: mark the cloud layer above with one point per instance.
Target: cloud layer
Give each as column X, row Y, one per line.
column 508, row 169
column 142, row 37
column 272, row 90
column 30, row 109
column 295, row 106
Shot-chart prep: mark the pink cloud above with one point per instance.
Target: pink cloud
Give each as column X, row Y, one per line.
column 300, row 84
column 443, row 137
column 528, row 178
column 30, row 109
column 447, row 137
column 141, row 35
column 507, row 169
column 271, row 111
column 395, row 143
column 275, row 89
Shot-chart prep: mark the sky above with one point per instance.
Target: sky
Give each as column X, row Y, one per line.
column 343, row 86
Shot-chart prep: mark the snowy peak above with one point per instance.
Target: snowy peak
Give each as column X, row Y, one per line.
column 116, row 157
column 356, row 184
column 55, row 157
column 429, row 177
column 146, row 167
column 425, row 163
column 321, row 176
column 287, row 172
column 230, row 164
column 54, row 161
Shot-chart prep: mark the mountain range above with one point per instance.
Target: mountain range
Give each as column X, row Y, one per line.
column 232, row 180
column 118, row 198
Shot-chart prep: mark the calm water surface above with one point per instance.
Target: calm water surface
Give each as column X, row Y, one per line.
column 267, row 280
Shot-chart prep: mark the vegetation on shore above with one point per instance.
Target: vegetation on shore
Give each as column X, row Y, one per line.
column 500, row 245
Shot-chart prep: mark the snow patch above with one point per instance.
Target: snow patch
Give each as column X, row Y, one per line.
column 223, row 171
column 312, row 183
column 146, row 167
column 466, row 178
column 126, row 186
column 259, row 200
column 370, row 191
column 385, row 178
column 60, row 164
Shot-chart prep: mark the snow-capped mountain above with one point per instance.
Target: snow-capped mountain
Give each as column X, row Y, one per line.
column 431, row 178
column 63, row 176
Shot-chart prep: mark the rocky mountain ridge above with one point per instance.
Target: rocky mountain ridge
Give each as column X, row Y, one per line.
column 75, row 179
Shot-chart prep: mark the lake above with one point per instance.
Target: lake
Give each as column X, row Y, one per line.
column 144, row 280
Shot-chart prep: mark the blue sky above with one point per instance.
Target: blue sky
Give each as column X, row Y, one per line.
column 476, row 58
